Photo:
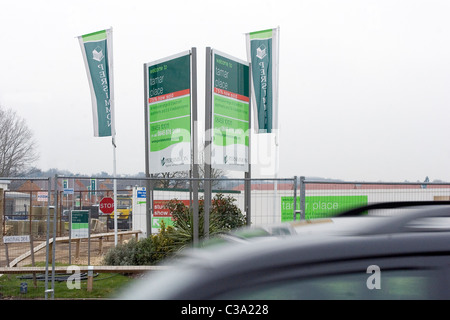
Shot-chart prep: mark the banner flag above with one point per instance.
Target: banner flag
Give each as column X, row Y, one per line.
column 96, row 48
column 263, row 53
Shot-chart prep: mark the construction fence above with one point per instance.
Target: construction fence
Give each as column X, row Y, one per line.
column 64, row 220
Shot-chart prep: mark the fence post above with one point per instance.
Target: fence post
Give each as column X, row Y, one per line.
column 1, row 215
column 208, row 143
column 295, row 198
column 302, row 198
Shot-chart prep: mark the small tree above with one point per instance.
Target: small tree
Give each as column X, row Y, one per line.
column 17, row 147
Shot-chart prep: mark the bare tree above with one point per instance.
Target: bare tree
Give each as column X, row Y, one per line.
column 17, row 146
column 171, row 179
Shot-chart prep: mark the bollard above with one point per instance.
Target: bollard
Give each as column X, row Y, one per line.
column 90, row 279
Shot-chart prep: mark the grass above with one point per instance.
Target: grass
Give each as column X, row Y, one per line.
column 105, row 286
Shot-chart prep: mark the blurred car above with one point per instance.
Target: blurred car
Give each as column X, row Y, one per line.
column 386, row 251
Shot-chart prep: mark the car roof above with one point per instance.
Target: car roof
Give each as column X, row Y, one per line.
column 344, row 237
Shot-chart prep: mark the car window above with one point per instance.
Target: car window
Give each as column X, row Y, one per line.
column 394, row 284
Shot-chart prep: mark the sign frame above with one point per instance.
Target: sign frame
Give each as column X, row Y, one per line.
column 16, row 239
column 81, row 230
column 234, row 156
column 169, row 156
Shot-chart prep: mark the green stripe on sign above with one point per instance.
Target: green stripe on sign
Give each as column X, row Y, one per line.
column 95, row 36
column 229, row 131
column 166, row 133
column 231, row 108
column 261, row 34
column 170, row 109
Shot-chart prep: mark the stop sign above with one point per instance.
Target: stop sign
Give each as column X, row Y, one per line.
column 107, row 205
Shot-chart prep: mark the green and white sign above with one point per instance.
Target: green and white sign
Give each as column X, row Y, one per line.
column 96, row 49
column 79, row 224
column 230, row 112
column 262, row 52
column 169, row 113
column 320, row 206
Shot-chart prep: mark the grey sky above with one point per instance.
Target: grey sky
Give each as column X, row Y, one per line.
column 364, row 85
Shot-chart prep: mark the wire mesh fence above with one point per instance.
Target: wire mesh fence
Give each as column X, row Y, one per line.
column 42, row 218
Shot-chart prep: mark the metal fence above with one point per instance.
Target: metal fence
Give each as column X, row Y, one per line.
column 38, row 225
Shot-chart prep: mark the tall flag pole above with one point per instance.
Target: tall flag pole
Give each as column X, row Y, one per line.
column 263, row 49
column 96, row 48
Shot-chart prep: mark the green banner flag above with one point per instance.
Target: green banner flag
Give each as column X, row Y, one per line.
column 96, row 48
column 262, row 52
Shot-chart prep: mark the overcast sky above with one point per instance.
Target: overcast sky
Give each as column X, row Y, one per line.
column 364, row 85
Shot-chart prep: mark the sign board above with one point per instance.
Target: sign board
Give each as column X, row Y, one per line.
column 79, row 224
column 93, row 186
column 16, row 239
column 106, row 205
column 168, row 94
column 139, row 216
column 141, row 196
column 230, row 112
column 161, row 213
column 68, row 191
column 320, row 206
column 42, row 196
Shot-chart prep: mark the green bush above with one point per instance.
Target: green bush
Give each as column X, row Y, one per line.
column 146, row 251
column 224, row 216
column 228, row 214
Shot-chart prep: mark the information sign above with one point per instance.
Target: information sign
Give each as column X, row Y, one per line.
column 169, row 113
column 79, row 220
column 230, row 112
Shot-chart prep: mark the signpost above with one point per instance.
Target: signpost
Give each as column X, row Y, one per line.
column 227, row 122
column 79, row 228
column 170, row 121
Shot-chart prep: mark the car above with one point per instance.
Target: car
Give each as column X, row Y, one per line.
column 381, row 251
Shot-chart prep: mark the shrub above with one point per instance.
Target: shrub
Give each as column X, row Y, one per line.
column 224, row 216
column 146, row 251
column 227, row 213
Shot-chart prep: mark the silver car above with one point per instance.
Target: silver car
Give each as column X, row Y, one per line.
column 387, row 251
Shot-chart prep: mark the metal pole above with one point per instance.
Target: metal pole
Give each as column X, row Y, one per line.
column 194, row 182
column 248, row 174
column 115, row 188
column 148, row 186
column 208, row 138
column 47, row 237
column 55, row 209
column 89, row 238
column 302, row 198
column 295, row 198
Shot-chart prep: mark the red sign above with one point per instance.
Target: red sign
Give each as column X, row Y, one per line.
column 160, row 210
column 107, row 205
